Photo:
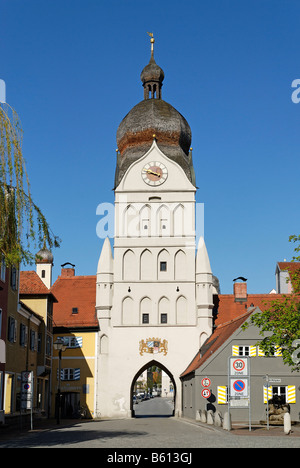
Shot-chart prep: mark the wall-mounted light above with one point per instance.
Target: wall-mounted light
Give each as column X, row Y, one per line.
column 129, row 290
column 177, row 289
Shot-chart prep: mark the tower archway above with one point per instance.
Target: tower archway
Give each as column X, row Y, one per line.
column 166, row 392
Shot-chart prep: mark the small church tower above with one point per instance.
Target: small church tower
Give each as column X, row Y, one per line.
column 44, row 264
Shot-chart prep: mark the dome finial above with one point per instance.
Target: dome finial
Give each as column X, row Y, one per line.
column 152, row 40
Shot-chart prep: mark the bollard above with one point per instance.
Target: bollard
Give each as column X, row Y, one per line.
column 227, row 422
column 287, row 425
column 210, row 417
column 203, row 418
column 218, row 419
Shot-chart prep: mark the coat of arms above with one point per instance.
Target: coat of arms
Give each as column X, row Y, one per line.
column 153, row 346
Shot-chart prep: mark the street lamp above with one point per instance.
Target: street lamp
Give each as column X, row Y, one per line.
column 60, row 346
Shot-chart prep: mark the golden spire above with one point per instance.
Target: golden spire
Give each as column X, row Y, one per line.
column 152, row 40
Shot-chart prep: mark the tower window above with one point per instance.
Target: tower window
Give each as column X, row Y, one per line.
column 145, row 318
column 163, row 318
column 163, row 266
column 43, row 273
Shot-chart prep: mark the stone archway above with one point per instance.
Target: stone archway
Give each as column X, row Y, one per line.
column 152, row 363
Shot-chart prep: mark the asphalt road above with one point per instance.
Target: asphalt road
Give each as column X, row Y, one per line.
column 152, row 431
column 156, row 407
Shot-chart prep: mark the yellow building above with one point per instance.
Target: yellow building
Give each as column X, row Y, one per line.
column 37, row 298
column 75, row 323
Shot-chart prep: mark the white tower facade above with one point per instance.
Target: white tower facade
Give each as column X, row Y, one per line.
column 154, row 297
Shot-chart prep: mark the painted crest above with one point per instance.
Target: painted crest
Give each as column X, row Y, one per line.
column 153, row 346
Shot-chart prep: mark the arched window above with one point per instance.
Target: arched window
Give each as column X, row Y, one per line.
column 129, row 266
column 145, row 310
column 146, row 266
column 180, row 265
column 104, row 344
column 127, row 311
column 181, row 310
column 164, row 310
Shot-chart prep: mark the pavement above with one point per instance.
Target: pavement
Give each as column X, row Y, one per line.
column 45, row 424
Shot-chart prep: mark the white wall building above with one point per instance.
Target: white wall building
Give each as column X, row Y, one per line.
column 154, row 294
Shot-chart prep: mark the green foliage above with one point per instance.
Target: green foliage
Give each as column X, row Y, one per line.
column 279, row 324
column 17, row 209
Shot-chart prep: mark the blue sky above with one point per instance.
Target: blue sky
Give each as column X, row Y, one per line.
column 72, row 72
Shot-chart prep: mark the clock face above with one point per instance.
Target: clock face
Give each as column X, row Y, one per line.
column 154, row 173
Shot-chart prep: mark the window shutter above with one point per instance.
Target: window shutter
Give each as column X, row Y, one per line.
column 291, row 394
column 222, row 395
column 79, row 342
column 268, row 393
column 260, row 352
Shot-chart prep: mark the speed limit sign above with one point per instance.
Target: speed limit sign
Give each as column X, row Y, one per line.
column 206, row 393
column 206, row 382
column 239, row 366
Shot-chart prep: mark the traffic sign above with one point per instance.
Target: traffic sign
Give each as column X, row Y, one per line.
column 238, row 366
column 206, row 393
column 206, row 382
column 239, row 387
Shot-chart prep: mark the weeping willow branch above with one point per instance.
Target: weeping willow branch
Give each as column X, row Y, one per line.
column 21, row 220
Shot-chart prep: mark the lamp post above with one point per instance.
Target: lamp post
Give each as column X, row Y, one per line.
column 60, row 346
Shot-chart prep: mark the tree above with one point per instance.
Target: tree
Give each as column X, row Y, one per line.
column 280, row 323
column 17, row 209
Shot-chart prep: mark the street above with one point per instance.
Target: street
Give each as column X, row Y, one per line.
column 153, row 431
column 156, row 407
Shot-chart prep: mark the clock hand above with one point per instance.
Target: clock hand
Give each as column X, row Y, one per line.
column 154, row 173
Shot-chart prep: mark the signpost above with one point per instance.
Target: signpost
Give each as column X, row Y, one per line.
column 239, row 384
column 27, row 391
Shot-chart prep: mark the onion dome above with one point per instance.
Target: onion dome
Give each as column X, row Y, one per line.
column 44, row 256
column 153, row 116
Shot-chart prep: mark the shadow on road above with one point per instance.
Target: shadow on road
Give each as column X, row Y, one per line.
column 70, row 435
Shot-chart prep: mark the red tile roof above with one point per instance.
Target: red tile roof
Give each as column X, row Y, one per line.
column 220, row 335
column 230, row 310
column 75, row 292
column 230, row 316
column 31, row 283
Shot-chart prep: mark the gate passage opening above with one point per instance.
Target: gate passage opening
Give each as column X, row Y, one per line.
column 153, row 392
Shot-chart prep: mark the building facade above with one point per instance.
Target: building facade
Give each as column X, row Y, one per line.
column 76, row 325
column 154, row 295
column 268, row 375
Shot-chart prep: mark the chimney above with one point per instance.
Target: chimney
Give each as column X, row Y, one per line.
column 67, row 272
column 240, row 292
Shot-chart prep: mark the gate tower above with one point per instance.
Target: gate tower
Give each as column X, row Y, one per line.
column 154, row 293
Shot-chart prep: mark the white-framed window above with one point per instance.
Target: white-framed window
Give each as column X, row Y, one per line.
column 244, row 350
column 23, row 334
column 71, row 341
column 69, row 374
column 288, row 392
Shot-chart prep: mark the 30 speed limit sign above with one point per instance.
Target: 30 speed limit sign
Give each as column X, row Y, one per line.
column 238, row 366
